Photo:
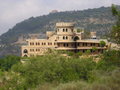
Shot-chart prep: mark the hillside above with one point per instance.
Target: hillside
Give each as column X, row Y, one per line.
column 99, row 19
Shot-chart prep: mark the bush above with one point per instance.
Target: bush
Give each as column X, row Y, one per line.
column 102, row 43
column 7, row 62
column 56, row 72
column 54, row 69
column 110, row 60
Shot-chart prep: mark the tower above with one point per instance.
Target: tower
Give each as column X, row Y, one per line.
column 65, row 35
column 65, row 31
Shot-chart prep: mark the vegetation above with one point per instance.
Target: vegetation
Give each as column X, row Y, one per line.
column 61, row 73
column 79, row 30
column 102, row 43
column 115, row 33
column 54, row 71
column 7, row 62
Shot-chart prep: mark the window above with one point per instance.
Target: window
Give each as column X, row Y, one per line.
column 49, row 43
column 67, row 44
column 66, row 37
column 66, row 30
column 91, row 44
column 31, row 43
column 76, row 38
column 32, row 50
column 25, row 56
column 63, row 30
column 25, row 51
column 64, row 45
column 63, row 37
column 38, row 43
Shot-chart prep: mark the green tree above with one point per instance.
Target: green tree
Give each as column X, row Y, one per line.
column 7, row 62
column 115, row 33
column 102, row 43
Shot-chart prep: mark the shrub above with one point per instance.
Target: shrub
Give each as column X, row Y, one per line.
column 102, row 43
column 110, row 60
column 7, row 62
column 54, row 69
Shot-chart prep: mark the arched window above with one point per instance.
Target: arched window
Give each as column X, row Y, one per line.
column 76, row 38
column 25, row 56
column 63, row 30
column 63, row 37
column 66, row 37
column 25, row 51
column 31, row 43
column 66, row 30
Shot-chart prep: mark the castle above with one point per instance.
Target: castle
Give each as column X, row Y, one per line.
column 65, row 37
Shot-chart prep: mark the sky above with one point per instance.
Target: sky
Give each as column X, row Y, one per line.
column 15, row 11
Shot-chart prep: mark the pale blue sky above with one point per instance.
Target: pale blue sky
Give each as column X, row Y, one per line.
column 14, row 11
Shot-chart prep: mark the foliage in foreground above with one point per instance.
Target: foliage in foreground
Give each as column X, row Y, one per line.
column 115, row 33
column 7, row 62
column 56, row 72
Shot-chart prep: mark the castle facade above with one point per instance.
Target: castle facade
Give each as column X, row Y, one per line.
column 65, row 37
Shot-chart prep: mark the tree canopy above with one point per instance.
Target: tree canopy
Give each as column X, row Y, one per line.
column 115, row 33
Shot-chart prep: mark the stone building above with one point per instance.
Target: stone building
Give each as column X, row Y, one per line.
column 65, row 37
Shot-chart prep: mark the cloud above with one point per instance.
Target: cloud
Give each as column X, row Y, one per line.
column 14, row 11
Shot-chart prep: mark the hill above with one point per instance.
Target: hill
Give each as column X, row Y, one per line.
column 99, row 19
